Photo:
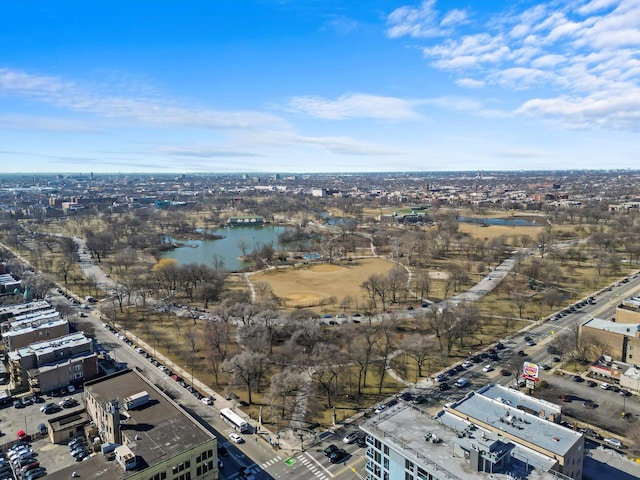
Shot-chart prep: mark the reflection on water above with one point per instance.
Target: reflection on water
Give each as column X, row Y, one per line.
column 497, row 221
column 226, row 249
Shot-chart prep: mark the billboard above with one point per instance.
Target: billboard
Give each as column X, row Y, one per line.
column 530, row 371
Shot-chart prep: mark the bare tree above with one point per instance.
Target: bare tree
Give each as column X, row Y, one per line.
column 217, row 338
column 288, row 389
column 247, row 368
column 328, row 361
column 418, row 347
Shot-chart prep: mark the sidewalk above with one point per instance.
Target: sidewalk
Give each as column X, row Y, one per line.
column 286, row 440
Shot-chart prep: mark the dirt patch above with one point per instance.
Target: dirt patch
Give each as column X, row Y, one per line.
column 439, row 275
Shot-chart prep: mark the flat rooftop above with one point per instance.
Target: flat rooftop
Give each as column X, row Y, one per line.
column 627, row 329
column 49, row 346
column 163, row 429
column 20, row 308
column 405, row 426
column 521, row 401
column 632, row 302
column 517, row 423
column 33, row 326
column 33, row 316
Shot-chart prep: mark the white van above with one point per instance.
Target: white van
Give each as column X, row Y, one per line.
column 461, row 382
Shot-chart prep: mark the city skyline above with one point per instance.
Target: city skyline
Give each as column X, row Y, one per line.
column 319, row 86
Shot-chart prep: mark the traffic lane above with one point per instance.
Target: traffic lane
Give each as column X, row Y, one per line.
column 246, row 454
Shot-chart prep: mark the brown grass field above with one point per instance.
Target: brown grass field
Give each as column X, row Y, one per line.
column 311, row 285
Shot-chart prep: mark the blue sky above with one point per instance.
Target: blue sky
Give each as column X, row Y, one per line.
column 318, row 85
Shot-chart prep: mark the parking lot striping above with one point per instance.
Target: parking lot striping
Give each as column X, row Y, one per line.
column 317, row 462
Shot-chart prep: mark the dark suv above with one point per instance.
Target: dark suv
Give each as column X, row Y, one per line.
column 330, row 449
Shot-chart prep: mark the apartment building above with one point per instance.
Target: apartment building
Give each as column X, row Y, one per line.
column 495, row 430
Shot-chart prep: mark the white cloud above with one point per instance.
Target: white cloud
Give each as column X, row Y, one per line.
column 149, row 111
column 470, row 83
column 357, row 105
column 621, row 111
column 202, row 151
column 349, row 146
column 422, row 21
column 470, row 51
column 454, row 17
column 580, row 58
column 549, row 60
column 26, row 122
column 595, row 6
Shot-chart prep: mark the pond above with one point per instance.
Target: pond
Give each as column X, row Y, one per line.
column 225, row 249
column 499, row 221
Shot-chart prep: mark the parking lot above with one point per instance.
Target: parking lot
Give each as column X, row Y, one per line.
column 27, row 418
column 49, row 456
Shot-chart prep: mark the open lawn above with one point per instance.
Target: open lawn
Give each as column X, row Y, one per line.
column 314, row 285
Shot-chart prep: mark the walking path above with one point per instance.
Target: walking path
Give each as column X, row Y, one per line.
column 294, row 438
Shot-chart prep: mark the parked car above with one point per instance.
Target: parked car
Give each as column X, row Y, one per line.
column 68, row 402
column 406, row 396
column 50, row 408
column 235, row 438
column 614, row 442
column 361, row 441
column 222, row 451
column 35, row 473
column 578, row 378
column 441, row 377
column 443, row 386
column 29, row 466
column 82, row 456
column 487, row 368
column 207, row 400
column 380, row 409
column 350, row 438
column 461, row 382
column 605, row 386
column 467, row 364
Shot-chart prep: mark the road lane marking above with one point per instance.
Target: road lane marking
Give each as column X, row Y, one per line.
column 318, row 463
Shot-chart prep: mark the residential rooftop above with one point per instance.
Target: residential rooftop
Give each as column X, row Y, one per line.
column 34, row 326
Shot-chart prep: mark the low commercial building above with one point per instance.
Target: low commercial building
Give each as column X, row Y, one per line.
column 622, row 339
column 157, row 440
column 628, row 311
column 51, row 365
column 493, row 431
